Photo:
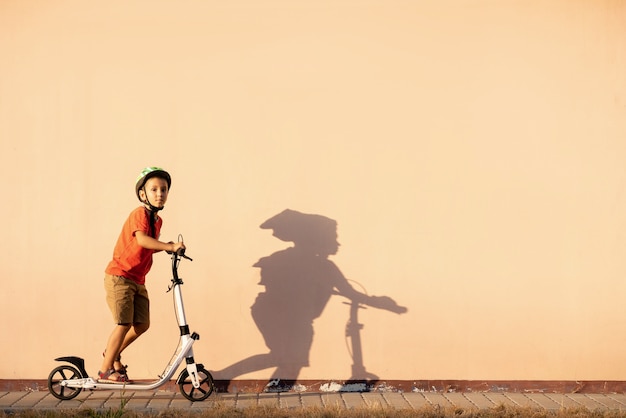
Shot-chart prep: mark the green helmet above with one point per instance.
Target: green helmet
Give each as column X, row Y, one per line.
column 148, row 173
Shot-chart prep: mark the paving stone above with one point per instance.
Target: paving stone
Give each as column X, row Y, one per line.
column 311, row 400
column 563, row 400
column 29, row 399
column 520, row 399
column 224, row 399
column 353, row 400
column 586, row 401
column 10, row 398
column 117, row 399
column 180, row 402
column 48, row 402
column 208, row 403
column 607, row 400
column 436, row 398
column 332, row 400
column 268, row 399
column 480, row 400
column 290, row 400
column 618, row 397
column 160, row 400
column 544, row 401
column 459, row 400
column 500, row 399
column 417, row 400
column 374, row 400
column 396, row 400
column 246, row 400
column 139, row 401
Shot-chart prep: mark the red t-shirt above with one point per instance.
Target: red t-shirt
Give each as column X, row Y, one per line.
column 131, row 260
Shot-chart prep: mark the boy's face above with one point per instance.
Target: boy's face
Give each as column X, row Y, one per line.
column 155, row 190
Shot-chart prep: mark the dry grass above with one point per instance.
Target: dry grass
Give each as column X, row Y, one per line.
column 219, row 411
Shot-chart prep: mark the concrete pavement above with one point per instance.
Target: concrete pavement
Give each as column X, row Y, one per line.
column 156, row 401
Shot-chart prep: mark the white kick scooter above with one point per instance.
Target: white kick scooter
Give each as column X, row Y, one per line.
column 195, row 382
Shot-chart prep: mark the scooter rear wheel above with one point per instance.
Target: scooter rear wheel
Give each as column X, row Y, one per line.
column 60, row 373
column 196, row 394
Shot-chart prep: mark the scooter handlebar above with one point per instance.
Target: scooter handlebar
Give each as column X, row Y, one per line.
column 181, row 253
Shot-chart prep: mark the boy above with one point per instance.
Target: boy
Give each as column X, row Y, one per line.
column 125, row 276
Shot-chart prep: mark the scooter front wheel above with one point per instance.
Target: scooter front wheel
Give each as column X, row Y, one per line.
column 59, row 374
column 185, row 384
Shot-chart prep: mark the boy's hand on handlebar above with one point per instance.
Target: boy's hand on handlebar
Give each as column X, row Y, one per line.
column 177, row 247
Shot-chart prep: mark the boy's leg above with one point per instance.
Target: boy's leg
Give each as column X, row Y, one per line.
column 140, row 321
column 120, row 295
column 114, row 345
column 133, row 333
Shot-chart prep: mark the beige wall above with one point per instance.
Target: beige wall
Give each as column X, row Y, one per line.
column 472, row 153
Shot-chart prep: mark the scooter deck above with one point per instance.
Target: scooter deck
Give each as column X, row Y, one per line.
column 90, row 383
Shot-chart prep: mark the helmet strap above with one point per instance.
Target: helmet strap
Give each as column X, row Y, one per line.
column 153, row 216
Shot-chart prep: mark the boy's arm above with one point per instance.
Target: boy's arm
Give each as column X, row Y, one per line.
column 147, row 242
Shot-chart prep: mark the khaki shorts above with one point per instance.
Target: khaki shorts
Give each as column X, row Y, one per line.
column 127, row 300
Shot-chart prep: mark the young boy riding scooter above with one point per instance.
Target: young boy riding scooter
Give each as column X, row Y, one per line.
column 125, row 276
